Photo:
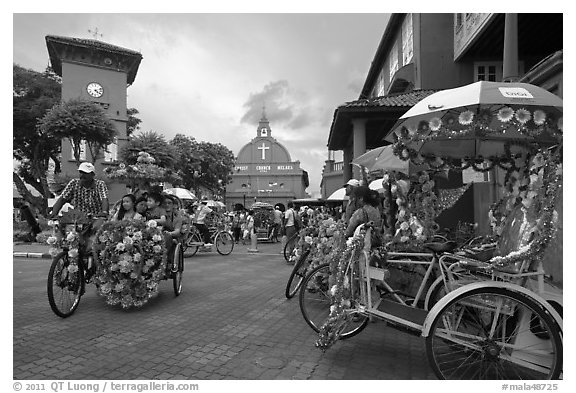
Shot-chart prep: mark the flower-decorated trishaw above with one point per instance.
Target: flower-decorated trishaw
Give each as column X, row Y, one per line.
column 495, row 309
column 125, row 259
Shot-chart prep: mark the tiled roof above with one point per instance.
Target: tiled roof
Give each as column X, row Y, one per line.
column 408, row 99
column 92, row 43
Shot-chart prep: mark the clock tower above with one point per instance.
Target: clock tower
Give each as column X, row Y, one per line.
column 99, row 72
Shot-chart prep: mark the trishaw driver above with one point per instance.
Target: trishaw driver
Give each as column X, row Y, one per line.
column 88, row 195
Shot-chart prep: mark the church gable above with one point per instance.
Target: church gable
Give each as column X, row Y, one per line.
column 263, row 150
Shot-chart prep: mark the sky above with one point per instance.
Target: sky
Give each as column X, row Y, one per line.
column 209, row 75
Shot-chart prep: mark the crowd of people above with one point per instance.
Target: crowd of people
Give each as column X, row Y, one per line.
column 90, row 195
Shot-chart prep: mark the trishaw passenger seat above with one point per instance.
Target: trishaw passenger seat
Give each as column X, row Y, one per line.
column 438, row 248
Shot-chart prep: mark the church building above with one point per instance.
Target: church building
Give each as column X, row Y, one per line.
column 264, row 172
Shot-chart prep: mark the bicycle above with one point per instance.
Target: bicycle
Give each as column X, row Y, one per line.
column 291, row 243
column 298, row 273
column 482, row 329
column 220, row 237
column 68, row 275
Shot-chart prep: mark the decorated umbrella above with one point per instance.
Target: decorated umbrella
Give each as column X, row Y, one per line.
column 181, row 193
column 481, row 120
column 383, row 158
column 338, row 195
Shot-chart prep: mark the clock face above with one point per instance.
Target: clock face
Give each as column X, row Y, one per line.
column 95, row 89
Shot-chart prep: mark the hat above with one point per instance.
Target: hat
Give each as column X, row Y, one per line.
column 352, row 182
column 86, row 167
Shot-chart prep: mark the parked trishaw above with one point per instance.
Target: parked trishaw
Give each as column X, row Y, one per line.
column 488, row 309
column 263, row 220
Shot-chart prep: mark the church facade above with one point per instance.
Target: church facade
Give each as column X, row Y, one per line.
column 264, row 172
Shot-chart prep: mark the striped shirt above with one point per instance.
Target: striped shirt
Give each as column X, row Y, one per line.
column 88, row 200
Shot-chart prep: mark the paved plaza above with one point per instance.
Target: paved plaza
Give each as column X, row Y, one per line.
column 232, row 321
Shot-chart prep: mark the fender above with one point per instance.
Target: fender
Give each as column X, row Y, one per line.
column 487, row 284
column 439, row 281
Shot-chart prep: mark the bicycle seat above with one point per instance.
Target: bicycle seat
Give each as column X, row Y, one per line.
column 441, row 247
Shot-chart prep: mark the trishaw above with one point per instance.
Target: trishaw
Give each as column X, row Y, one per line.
column 220, row 236
column 497, row 318
column 126, row 262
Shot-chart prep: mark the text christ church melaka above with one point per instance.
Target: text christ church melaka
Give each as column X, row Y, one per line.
column 264, row 172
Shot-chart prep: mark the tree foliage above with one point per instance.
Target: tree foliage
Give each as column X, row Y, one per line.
column 153, row 143
column 133, row 124
column 34, row 93
column 80, row 121
column 203, row 163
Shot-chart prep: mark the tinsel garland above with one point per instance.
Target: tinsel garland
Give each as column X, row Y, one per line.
column 340, row 293
column 545, row 225
column 448, row 198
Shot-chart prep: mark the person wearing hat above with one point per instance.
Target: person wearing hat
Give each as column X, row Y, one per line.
column 353, row 203
column 86, row 193
column 201, row 212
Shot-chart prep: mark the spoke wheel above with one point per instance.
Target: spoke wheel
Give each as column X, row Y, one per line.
column 315, row 303
column 192, row 243
column 486, row 334
column 65, row 285
column 297, row 275
column 290, row 244
column 177, row 276
column 224, row 243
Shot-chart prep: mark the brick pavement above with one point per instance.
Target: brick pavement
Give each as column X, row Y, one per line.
column 232, row 321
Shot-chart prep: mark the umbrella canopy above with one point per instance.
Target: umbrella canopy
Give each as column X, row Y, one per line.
column 181, row 193
column 212, row 203
column 338, row 195
column 478, row 119
column 383, row 158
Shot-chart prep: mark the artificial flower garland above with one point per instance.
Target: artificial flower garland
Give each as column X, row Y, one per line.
column 145, row 169
column 541, row 194
column 132, row 261
column 339, row 292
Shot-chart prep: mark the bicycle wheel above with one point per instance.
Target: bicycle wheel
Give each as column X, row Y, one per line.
column 315, row 303
column 193, row 242
column 486, row 333
column 65, row 285
column 297, row 275
column 177, row 275
column 290, row 244
column 224, row 243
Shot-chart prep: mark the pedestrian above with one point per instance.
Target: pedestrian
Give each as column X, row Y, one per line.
column 290, row 223
column 352, row 201
column 250, row 223
column 237, row 226
column 277, row 224
column 368, row 201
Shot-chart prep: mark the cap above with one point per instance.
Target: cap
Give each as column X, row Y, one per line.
column 86, row 167
column 352, row 182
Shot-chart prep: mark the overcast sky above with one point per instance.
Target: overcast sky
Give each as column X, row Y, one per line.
column 208, row 75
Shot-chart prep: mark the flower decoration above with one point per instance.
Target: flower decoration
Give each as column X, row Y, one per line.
column 435, row 123
column 505, row 114
column 132, row 258
column 523, row 116
column 539, row 117
column 485, row 117
column 466, row 118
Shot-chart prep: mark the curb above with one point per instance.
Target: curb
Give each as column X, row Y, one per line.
column 32, row 255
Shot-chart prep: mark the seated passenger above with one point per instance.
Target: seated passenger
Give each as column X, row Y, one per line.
column 155, row 210
column 172, row 227
column 126, row 210
column 141, row 206
column 367, row 211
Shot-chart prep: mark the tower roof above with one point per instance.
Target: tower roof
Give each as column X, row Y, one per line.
column 123, row 59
